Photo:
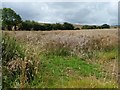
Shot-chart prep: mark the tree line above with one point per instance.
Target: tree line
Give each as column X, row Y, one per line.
column 32, row 25
column 96, row 27
column 13, row 21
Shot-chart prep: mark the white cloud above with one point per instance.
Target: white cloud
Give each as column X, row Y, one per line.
column 74, row 12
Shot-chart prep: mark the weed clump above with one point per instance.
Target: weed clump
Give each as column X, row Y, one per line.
column 18, row 66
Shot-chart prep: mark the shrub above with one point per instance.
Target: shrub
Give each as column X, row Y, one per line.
column 105, row 26
column 11, row 49
column 20, row 65
column 68, row 26
column 57, row 26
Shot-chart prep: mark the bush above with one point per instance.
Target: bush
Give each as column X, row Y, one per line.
column 11, row 49
column 57, row 26
column 105, row 26
column 68, row 26
column 47, row 27
column 20, row 65
column 85, row 27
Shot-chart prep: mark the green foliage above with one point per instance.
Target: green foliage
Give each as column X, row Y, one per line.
column 68, row 26
column 89, row 27
column 10, row 19
column 57, row 26
column 105, row 26
column 18, row 64
column 27, row 25
column 32, row 25
column 95, row 27
column 11, row 49
column 85, row 27
column 47, row 27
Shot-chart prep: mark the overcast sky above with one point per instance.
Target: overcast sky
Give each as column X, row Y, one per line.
column 73, row 12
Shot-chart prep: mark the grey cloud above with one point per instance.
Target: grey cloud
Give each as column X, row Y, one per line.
column 74, row 12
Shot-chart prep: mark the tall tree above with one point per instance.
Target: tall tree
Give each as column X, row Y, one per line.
column 10, row 19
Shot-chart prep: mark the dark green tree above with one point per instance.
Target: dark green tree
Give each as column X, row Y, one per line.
column 27, row 25
column 57, row 26
column 48, row 26
column 105, row 26
column 68, row 26
column 10, row 19
column 85, row 27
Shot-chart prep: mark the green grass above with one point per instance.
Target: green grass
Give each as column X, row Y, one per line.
column 54, row 70
column 107, row 56
column 88, row 82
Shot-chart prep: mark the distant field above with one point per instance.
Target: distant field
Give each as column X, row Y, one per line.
column 68, row 59
column 63, row 35
column 90, row 32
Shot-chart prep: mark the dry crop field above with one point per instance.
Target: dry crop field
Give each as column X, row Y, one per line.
column 60, row 59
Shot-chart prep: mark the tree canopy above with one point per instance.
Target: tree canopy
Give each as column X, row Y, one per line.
column 10, row 19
